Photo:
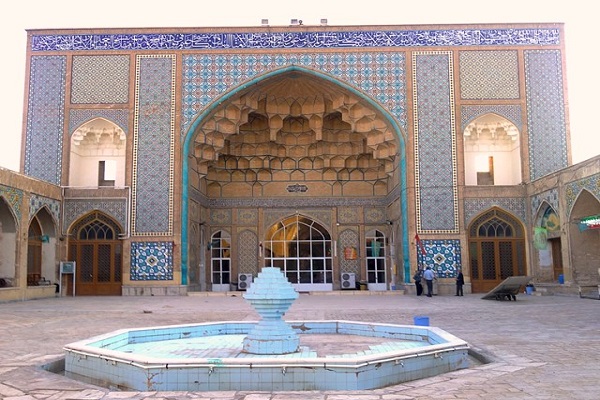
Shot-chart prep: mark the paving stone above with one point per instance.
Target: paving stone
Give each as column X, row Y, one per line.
column 542, row 347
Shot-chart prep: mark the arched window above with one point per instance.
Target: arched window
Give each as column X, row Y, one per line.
column 496, row 249
column 95, row 247
column 376, row 260
column 301, row 248
column 220, row 256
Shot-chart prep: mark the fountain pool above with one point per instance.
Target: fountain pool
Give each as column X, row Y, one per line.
column 210, row 357
column 270, row 354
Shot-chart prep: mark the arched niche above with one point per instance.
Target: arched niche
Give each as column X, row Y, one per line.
column 492, row 151
column 42, row 260
column 585, row 242
column 8, row 241
column 97, row 156
column 547, row 244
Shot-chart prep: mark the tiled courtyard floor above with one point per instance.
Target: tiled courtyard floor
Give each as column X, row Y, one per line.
column 541, row 347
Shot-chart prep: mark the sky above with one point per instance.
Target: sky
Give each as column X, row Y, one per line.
column 583, row 80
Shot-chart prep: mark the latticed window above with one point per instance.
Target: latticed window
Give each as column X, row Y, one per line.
column 496, row 224
column 96, row 226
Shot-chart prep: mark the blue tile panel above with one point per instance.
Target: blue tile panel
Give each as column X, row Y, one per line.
column 73, row 209
column 545, row 112
column 151, row 261
column 513, row 205
column 443, row 256
column 45, row 118
column 511, row 112
column 230, row 346
column 207, row 76
column 489, row 75
column 37, row 202
column 153, row 168
column 326, row 39
column 100, row 79
column 13, row 197
column 435, row 143
column 574, row 189
column 80, row 116
column 550, row 197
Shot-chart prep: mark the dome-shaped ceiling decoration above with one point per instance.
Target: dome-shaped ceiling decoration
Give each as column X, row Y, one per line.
column 295, row 121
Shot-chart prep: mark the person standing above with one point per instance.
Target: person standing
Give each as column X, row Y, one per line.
column 429, row 276
column 417, row 279
column 460, row 281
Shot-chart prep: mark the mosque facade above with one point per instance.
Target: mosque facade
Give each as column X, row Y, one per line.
column 164, row 161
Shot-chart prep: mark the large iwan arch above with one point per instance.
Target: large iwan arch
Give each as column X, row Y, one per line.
column 287, row 136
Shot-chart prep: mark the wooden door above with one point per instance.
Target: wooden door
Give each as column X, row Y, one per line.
column 556, row 257
column 97, row 251
column 496, row 250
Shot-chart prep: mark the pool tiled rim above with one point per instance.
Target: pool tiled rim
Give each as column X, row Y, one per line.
column 107, row 359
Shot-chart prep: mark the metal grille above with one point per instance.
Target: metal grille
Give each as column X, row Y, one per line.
column 506, row 259
column 520, row 259
column 488, row 256
column 86, row 263
column 474, row 253
column 104, row 262
column 118, row 262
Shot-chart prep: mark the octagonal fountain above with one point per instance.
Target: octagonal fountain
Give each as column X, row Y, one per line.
column 270, row 355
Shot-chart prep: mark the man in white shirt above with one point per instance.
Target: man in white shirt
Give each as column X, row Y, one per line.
column 429, row 276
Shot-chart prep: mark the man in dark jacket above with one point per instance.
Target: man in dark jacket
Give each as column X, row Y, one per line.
column 417, row 279
column 460, row 281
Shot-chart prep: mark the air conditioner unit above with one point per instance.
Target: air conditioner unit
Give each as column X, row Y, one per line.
column 348, row 280
column 244, row 281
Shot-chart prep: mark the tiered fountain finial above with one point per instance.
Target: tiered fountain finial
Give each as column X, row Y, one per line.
column 271, row 295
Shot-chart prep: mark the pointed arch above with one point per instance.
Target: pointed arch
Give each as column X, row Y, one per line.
column 509, row 115
column 95, row 247
column 41, row 248
column 492, row 151
column 547, row 217
column 190, row 137
column 49, row 222
column 302, row 249
column 584, row 242
column 496, row 249
column 220, row 261
column 547, row 244
column 582, row 192
column 376, row 247
column 97, row 154
column 8, row 243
